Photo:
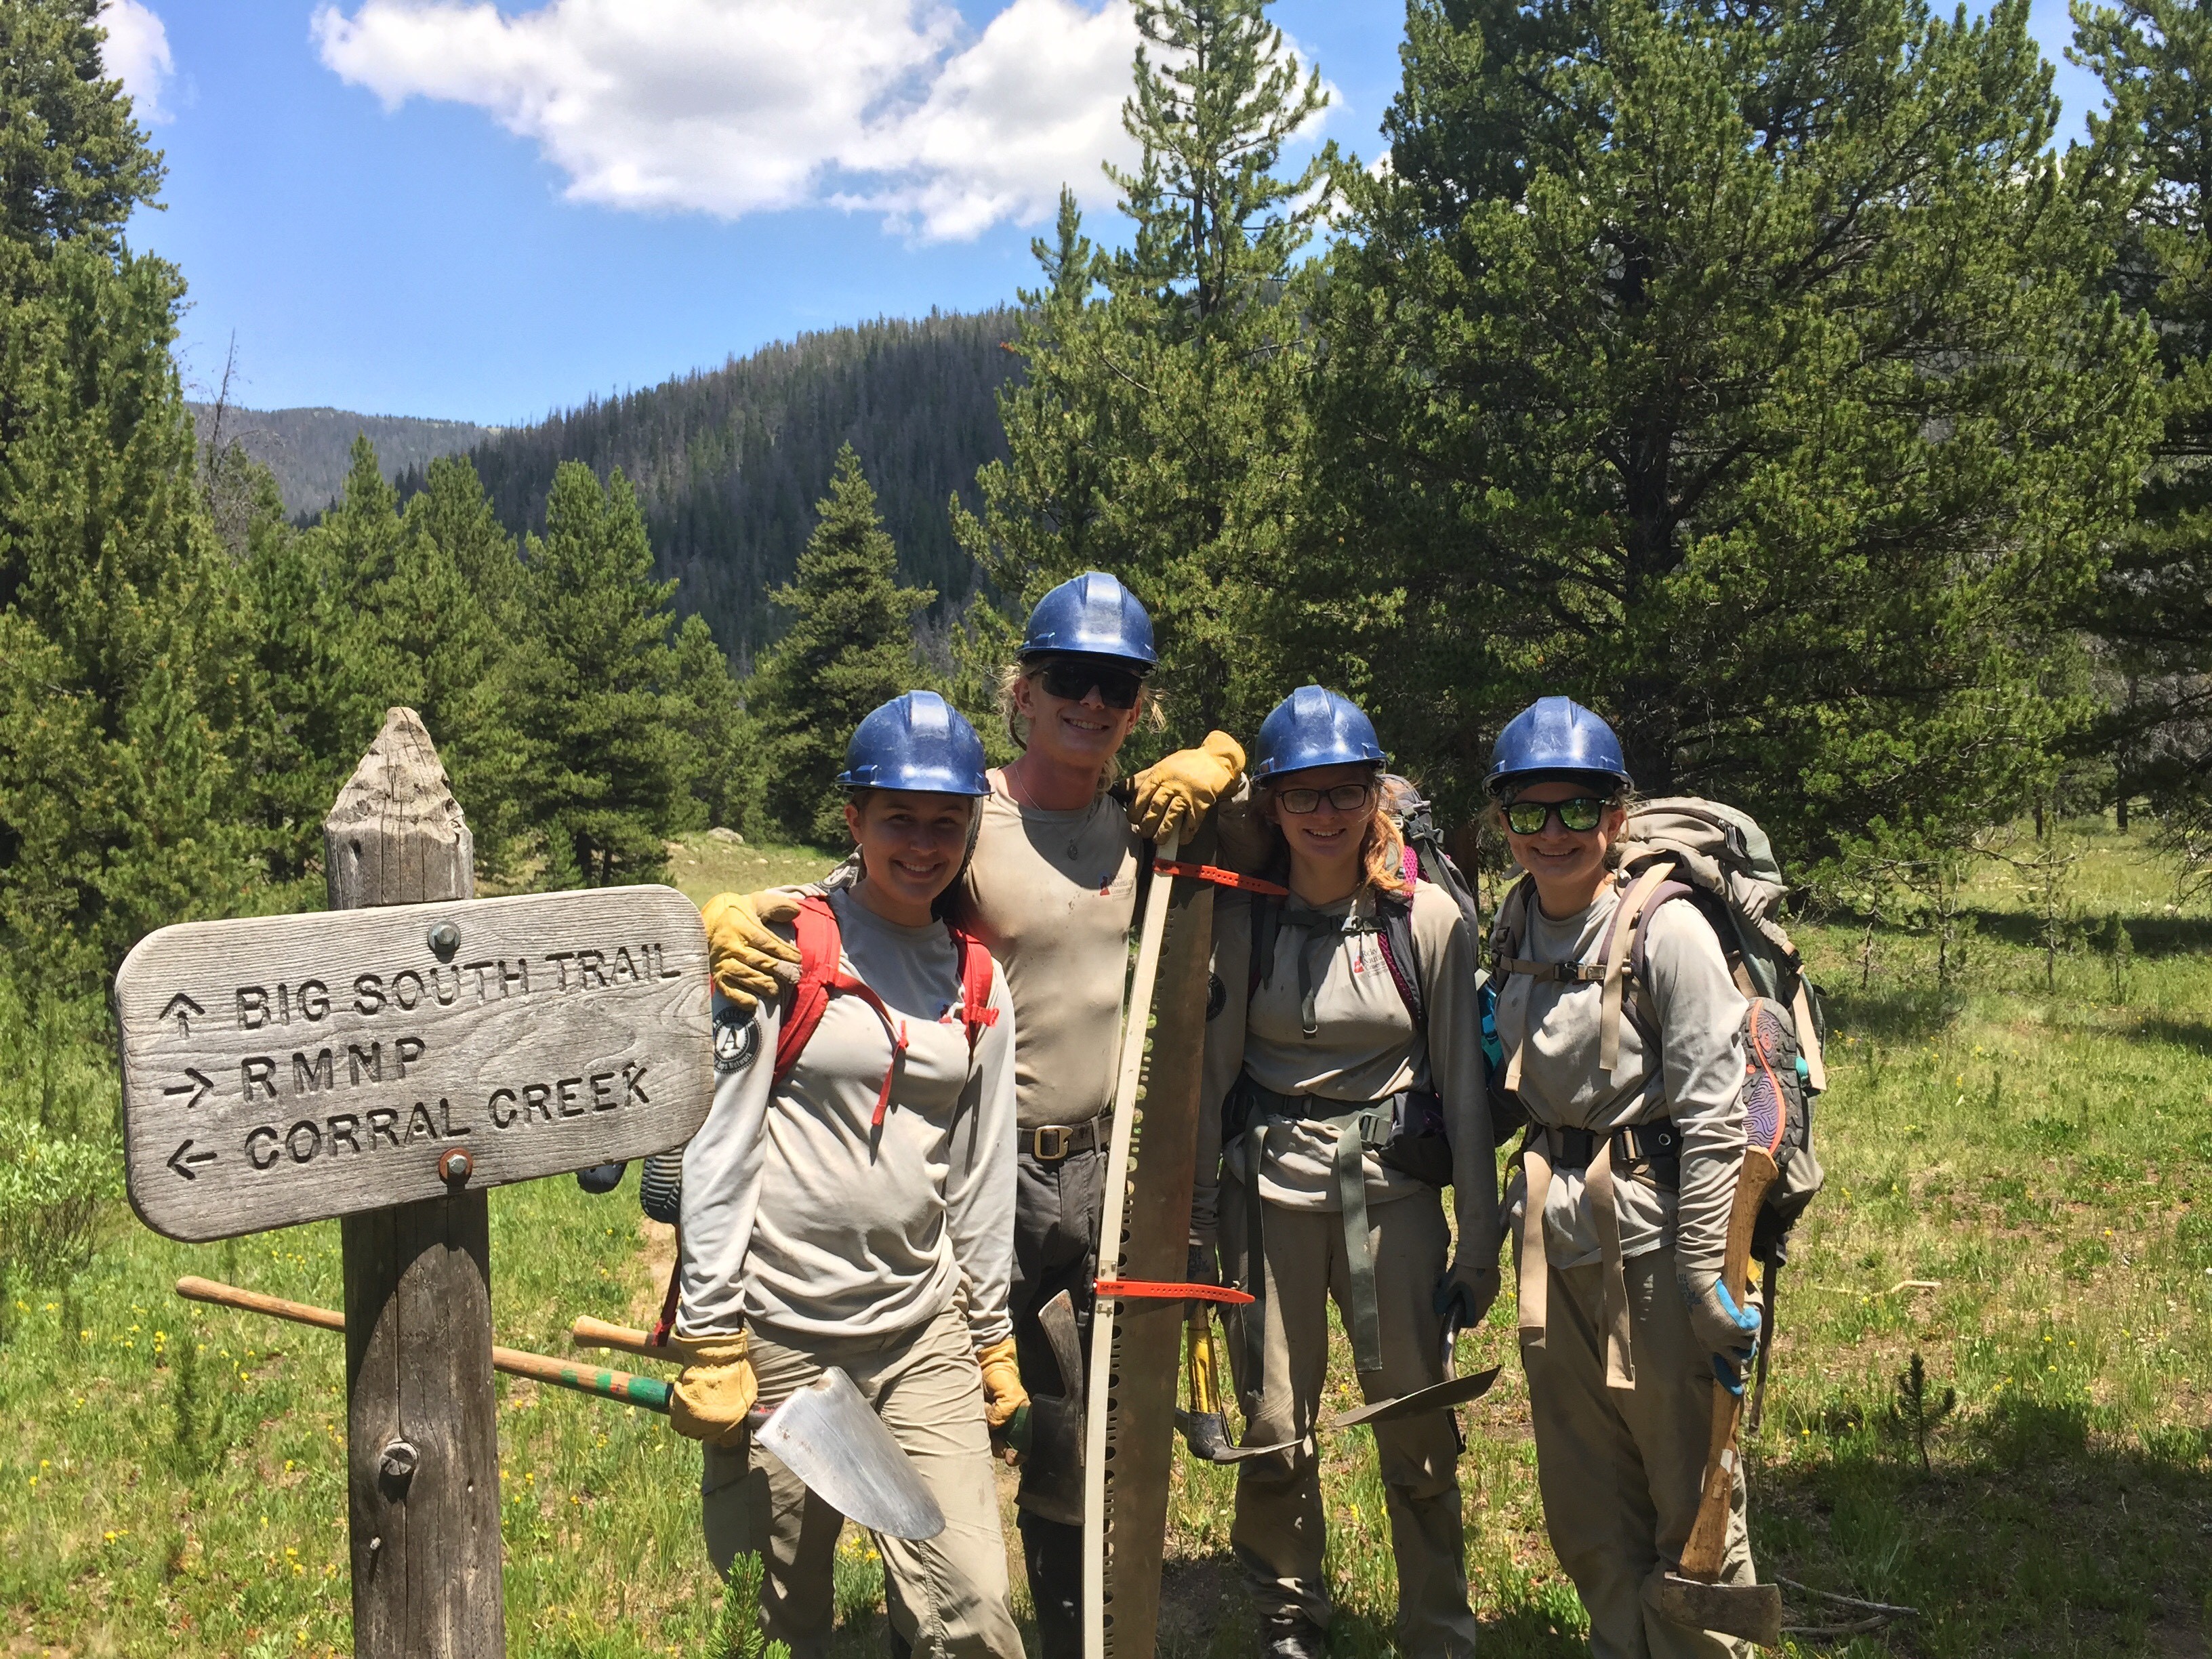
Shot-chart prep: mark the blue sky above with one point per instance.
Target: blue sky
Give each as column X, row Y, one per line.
column 421, row 207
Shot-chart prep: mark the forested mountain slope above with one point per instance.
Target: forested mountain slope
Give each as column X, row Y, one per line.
column 728, row 463
column 309, row 449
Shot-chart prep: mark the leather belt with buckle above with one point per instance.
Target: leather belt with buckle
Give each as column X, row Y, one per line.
column 1051, row 1142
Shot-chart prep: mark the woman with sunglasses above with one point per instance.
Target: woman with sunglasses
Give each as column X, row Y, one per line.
column 1345, row 1087
column 1626, row 1328
column 1051, row 889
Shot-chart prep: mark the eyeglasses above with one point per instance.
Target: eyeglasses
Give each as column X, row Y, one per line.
column 1577, row 815
column 1117, row 687
column 1344, row 797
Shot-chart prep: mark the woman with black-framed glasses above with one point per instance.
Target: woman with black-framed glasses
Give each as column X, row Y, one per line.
column 1344, row 1081
column 1631, row 1156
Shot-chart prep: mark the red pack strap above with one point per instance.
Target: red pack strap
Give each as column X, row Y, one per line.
column 821, row 972
column 976, row 965
column 1128, row 1288
column 1220, row 878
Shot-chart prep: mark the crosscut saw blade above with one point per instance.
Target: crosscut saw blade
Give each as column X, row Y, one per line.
column 1137, row 1343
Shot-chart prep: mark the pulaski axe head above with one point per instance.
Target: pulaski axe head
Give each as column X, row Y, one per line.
column 1752, row 1612
column 831, row 1438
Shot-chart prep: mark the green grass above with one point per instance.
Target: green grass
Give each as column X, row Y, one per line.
column 171, row 1480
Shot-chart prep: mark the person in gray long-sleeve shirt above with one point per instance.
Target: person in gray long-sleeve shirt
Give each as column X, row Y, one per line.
column 1312, row 1051
column 1625, row 1327
column 853, row 1208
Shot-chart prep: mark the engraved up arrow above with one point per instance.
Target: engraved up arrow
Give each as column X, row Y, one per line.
column 198, row 1089
column 184, row 1157
column 182, row 1008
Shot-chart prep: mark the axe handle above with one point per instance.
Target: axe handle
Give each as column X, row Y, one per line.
column 589, row 1332
column 1703, row 1555
column 647, row 1391
column 1205, row 1383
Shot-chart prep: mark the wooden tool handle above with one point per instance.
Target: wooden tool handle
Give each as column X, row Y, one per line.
column 589, row 1332
column 229, row 1296
column 1702, row 1556
column 647, row 1391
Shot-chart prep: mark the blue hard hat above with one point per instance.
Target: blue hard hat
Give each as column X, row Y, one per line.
column 1093, row 616
column 916, row 741
column 1556, row 735
column 1314, row 727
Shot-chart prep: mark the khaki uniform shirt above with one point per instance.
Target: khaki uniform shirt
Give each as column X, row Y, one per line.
column 1365, row 1048
column 1696, row 1078
column 801, row 1217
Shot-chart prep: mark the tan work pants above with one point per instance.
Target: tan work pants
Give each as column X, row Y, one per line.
column 1279, row 1533
column 947, row 1593
column 1621, row 1469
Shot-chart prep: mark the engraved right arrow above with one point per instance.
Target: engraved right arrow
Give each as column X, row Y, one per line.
column 198, row 1088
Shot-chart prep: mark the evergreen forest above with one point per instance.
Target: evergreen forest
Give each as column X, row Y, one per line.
column 1767, row 374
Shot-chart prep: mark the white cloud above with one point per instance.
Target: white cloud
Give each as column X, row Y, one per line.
column 137, row 54
column 736, row 106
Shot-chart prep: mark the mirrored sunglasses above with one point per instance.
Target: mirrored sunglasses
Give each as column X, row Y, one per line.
column 1578, row 815
column 1072, row 679
column 1344, row 797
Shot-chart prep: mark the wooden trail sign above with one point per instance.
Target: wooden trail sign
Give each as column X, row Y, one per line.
column 280, row 1069
column 386, row 1065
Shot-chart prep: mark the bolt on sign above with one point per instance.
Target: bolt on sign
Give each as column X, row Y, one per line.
column 282, row 1069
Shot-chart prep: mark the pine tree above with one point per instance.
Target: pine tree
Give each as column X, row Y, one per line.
column 1155, row 432
column 430, row 637
column 120, row 619
column 849, row 649
column 1742, row 370
column 73, row 161
column 600, row 768
column 722, row 774
column 2153, row 611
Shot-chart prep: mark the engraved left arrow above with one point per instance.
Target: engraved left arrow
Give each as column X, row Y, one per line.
column 184, row 1158
column 199, row 1090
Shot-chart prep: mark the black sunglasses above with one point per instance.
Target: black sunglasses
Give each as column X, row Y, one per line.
column 1578, row 815
column 1344, row 797
column 1072, row 679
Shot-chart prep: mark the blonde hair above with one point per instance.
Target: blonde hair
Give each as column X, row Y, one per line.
column 1151, row 714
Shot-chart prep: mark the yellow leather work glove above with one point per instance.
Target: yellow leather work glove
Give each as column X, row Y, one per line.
column 1003, row 1393
column 715, row 1390
column 748, row 962
column 1174, row 795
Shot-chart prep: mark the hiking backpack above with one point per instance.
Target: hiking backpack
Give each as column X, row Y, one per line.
column 1719, row 860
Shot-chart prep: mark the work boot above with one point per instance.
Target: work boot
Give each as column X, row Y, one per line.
column 1292, row 1636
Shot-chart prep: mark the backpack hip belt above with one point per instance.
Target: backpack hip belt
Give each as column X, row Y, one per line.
column 1359, row 1129
column 1534, row 1286
column 1655, row 1143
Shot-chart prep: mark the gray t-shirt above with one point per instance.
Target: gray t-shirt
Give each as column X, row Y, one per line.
column 1365, row 1048
column 1696, row 1078
column 800, row 1218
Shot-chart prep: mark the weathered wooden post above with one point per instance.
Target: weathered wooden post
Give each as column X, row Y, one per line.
column 422, row 1437
column 387, row 1065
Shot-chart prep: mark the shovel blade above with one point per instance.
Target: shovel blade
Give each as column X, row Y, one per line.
column 1752, row 1612
column 1455, row 1391
column 831, row 1438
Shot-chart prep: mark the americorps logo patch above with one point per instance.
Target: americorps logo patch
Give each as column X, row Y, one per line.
column 737, row 1038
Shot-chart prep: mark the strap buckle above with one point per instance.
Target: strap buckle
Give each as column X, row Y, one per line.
column 1062, row 1141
